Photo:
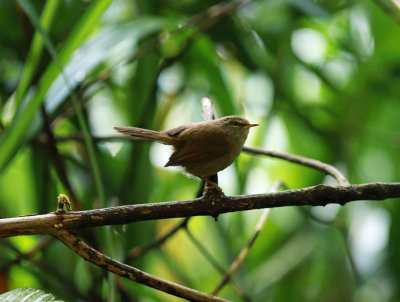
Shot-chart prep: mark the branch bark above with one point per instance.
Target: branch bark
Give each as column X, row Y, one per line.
column 90, row 254
column 212, row 204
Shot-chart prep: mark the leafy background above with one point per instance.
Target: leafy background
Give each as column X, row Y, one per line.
column 322, row 79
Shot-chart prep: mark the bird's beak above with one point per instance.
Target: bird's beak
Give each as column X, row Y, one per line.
column 252, row 125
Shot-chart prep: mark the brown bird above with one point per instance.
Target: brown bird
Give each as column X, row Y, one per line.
column 202, row 148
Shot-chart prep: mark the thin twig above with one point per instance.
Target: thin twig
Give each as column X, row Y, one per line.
column 312, row 163
column 208, row 115
column 396, row 3
column 57, row 159
column 90, row 254
column 140, row 250
column 202, row 21
column 243, row 253
column 214, row 263
column 207, row 109
column 344, row 234
column 218, row 267
column 345, row 237
column 389, row 9
column 42, row 266
column 26, row 255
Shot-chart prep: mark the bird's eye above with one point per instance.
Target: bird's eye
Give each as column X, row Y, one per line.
column 235, row 124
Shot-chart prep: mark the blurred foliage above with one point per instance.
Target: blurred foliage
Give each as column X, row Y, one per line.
column 27, row 295
column 322, row 79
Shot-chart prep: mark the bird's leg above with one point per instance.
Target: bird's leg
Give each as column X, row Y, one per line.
column 211, row 184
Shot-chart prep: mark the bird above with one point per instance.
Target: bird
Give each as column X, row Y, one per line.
column 201, row 148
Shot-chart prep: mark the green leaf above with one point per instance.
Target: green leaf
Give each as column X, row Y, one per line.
column 35, row 51
column 97, row 50
column 27, row 295
column 12, row 137
column 311, row 8
column 204, row 59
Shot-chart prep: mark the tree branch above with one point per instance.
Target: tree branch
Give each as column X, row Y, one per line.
column 312, row 163
column 90, row 254
column 212, row 204
column 63, row 225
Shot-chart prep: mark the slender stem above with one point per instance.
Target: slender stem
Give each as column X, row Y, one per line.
column 87, row 137
column 312, row 163
column 140, row 250
column 246, row 249
column 207, row 255
column 90, row 254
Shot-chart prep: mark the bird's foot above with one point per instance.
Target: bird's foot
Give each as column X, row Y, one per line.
column 212, row 186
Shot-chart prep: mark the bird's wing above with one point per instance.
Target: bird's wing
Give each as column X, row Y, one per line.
column 175, row 131
column 189, row 156
column 199, row 150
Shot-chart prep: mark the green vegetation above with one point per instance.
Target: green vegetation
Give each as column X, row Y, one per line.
column 321, row 78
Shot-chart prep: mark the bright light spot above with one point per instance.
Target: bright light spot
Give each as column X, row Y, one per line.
column 9, row 110
column 339, row 71
column 369, row 235
column 102, row 119
column 329, row 212
column 361, row 31
column 77, row 54
column 80, row 76
column 276, row 137
column 175, row 118
column 257, row 182
column 227, row 180
column 307, row 85
column 375, row 165
column 120, row 51
column 159, row 154
column 309, row 45
column 259, row 93
column 326, row 213
column 171, row 79
column 373, row 291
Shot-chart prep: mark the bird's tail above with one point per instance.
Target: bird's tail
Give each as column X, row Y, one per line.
column 143, row 134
